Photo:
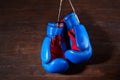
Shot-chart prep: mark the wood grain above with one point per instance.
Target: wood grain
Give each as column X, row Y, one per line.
column 23, row 28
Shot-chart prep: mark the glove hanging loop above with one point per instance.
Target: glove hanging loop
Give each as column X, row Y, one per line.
column 59, row 10
column 70, row 2
column 60, row 7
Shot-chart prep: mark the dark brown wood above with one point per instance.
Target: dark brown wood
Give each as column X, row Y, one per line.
column 23, row 28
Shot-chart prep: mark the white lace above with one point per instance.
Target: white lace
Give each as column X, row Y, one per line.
column 61, row 1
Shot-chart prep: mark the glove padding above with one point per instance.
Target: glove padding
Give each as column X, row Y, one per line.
column 53, row 48
column 81, row 49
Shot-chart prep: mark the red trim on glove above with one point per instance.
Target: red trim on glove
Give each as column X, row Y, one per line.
column 56, row 51
column 62, row 20
column 72, row 37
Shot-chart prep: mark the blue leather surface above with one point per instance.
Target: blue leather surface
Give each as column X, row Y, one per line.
column 59, row 65
column 56, row 65
column 82, row 40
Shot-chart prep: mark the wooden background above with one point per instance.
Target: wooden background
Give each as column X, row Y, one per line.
column 23, row 27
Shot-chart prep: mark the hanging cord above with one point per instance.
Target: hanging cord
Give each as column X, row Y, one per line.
column 72, row 5
column 59, row 10
column 70, row 2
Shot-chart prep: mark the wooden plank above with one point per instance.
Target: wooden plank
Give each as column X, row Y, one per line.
column 23, row 26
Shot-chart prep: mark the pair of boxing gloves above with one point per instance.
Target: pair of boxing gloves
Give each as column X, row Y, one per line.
column 66, row 40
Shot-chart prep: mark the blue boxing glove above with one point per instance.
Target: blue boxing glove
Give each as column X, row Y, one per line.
column 81, row 49
column 53, row 48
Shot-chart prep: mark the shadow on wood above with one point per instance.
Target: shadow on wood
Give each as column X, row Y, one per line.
column 102, row 51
